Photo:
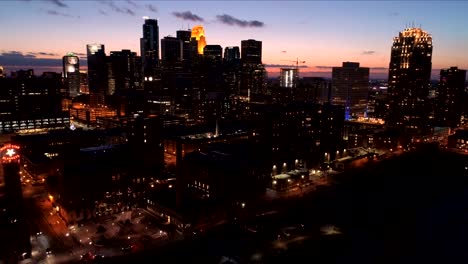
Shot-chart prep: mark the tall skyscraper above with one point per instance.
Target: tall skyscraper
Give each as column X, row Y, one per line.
column 350, row 86
column 198, row 34
column 97, row 69
column 251, row 51
column 408, row 81
column 253, row 72
column 149, row 46
column 71, row 73
column 184, row 36
column 231, row 54
column 451, row 93
column 124, row 71
column 2, row 74
column 289, row 77
column 171, row 50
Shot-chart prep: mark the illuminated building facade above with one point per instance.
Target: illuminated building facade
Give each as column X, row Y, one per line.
column 29, row 103
column 71, row 74
column 198, row 35
column 350, row 86
column 149, row 47
column 450, row 97
column 97, row 69
column 13, row 227
column 2, row 72
column 289, row 77
column 409, row 80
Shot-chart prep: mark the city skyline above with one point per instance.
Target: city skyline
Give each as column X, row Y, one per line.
column 317, row 37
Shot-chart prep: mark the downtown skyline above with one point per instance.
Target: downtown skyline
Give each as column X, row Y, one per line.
column 324, row 34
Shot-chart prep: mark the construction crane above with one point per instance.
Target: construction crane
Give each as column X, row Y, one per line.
column 297, row 63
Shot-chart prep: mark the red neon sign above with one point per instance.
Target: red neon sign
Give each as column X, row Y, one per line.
column 9, row 152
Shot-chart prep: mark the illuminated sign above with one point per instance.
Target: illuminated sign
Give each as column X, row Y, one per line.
column 9, row 152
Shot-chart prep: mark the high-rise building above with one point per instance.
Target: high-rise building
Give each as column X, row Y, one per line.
column 289, row 77
column 2, row 74
column 213, row 52
column 97, row 69
column 251, row 51
column 409, row 80
column 184, row 36
column 231, row 54
column 71, row 74
column 149, row 46
column 451, row 93
column 350, row 86
column 198, row 34
column 124, row 71
column 171, row 50
column 253, row 72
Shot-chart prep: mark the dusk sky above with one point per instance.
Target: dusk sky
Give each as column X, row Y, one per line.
column 36, row 34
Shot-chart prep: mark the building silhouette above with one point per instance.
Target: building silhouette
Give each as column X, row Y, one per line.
column 350, row 86
column 149, row 47
column 409, row 80
column 97, row 69
column 124, row 71
column 253, row 72
column 251, row 51
column 71, row 74
column 450, row 97
column 171, row 50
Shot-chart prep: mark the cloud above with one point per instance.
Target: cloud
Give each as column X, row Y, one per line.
column 283, row 66
column 187, row 15
column 283, row 51
column 57, row 13
column 379, row 68
column 59, row 3
column 16, row 58
column 152, row 8
column 232, row 21
column 394, row 14
column 324, row 67
column 102, row 12
column 42, row 53
column 132, row 3
column 368, row 52
column 118, row 9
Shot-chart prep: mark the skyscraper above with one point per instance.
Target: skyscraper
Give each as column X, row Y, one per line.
column 198, row 34
column 97, row 69
column 253, row 72
column 213, row 52
column 171, row 50
column 350, row 86
column 149, row 46
column 288, row 77
column 251, row 51
column 71, row 73
column 231, row 54
column 124, row 69
column 451, row 92
column 184, row 36
column 409, row 79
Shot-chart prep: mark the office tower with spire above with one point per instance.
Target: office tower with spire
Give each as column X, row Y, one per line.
column 149, row 47
column 450, row 97
column 409, row 80
column 350, row 86
column 71, row 74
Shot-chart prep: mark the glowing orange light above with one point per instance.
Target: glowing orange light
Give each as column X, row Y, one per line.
column 199, row 34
